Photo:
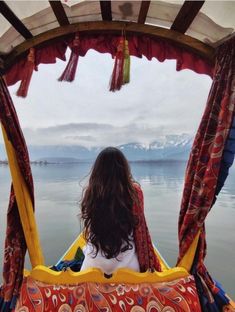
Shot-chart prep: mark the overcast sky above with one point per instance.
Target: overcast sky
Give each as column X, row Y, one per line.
column 158, row 101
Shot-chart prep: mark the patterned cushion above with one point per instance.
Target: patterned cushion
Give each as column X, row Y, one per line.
column 179, row 295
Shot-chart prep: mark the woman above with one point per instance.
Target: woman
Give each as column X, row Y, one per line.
column 114, row 224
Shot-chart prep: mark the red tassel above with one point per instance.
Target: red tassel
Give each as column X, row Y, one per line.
column 117, row 75
column 27, row 74
column 70, row 70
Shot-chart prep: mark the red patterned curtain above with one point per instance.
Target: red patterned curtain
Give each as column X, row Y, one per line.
column 15, row 245
column 139, row 46
column 205, row 160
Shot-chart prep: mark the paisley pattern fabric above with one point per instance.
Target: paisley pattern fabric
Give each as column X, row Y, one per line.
column 177, row 296
column 205, row 159
column 15, row 245
column 143, row 244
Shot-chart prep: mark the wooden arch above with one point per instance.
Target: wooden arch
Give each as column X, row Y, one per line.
column 108, row 27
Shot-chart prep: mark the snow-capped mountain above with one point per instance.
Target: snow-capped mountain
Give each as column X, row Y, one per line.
column 170, row 147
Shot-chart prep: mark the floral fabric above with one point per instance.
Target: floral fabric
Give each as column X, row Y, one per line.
column 177, row 296
column 15, row 245
column 205, row 159
column 143, row 244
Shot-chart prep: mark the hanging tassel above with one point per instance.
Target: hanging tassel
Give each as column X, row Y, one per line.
column 28, row 72
column 127, row 64
column 117, row 75
column 70, row 70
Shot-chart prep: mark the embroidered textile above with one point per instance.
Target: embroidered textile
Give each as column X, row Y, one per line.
column 143, row 244
column 205, row 159
column 176, row 296
column 15, row 246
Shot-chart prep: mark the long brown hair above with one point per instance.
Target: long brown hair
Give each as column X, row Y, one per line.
column 107, row 202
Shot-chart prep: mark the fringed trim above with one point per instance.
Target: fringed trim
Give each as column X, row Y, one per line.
column 121, row 70
column 117, row 75
column 70, row 70
column 28, row 72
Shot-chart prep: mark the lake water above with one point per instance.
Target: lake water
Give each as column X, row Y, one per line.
column 58, row 190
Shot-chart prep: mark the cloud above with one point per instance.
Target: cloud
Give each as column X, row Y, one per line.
column 158, row 100
column 75, row 127
column 93, row 134
column 84, row 138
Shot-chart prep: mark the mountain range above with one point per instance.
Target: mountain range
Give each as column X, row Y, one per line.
column 167, row 148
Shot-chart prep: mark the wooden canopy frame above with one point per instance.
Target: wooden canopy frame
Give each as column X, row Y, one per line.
column 105, row 27
column 175, row 35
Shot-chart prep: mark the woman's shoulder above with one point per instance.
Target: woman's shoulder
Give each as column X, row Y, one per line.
column 137, row 186
column 138, row 190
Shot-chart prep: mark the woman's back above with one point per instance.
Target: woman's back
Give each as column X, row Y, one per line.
column 112, row 211
column 126, row 259
column 107, row 204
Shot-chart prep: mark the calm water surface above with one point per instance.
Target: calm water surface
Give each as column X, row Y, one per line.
column 58, row 190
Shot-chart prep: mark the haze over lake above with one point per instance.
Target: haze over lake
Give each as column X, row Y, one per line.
column 58, row 190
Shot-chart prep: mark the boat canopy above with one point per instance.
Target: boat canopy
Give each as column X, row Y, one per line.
column 208, row 21
column 199, row 26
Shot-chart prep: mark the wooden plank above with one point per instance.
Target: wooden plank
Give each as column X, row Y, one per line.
column 14, row 20
column 59, row 12
column 143, row 11
column 186, row 15
column 186, row 42
column 106, row 11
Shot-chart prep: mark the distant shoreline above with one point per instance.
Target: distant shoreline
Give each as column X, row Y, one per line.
column 45, row 163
